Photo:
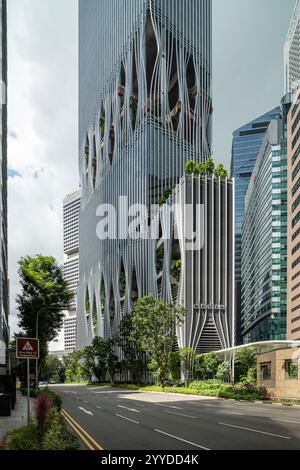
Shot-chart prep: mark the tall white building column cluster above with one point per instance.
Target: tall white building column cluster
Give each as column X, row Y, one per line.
column 71, row 209
column 292, row 53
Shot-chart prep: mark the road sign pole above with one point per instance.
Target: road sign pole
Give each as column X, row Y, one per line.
column 28, row 391
column 36, row 374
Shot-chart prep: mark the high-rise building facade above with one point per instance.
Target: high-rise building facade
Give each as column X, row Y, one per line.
column 264, row 239
column 4, row 286
column 71, row 210
column 292, row 53
column 145, row 110
column 246, row 145
column 293, row 284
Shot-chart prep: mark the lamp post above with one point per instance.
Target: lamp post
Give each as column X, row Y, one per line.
column 55, row 307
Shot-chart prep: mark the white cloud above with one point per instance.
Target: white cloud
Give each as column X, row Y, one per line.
column 43, row 123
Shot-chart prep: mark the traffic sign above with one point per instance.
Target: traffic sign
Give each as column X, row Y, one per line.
column 27, row 348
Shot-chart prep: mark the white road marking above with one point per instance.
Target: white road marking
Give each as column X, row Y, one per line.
column 168, row 406
column 128, row 419
column 182, row 440
column 85, row 411
column 180, row 414
column 99, row 407
column 202, row 404
column 254, row 430
column 285, row 421
column 230, row 413
column 108, row 391
column 129, row 409
column 84, row 401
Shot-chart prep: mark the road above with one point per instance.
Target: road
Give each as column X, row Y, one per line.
column 115, row 419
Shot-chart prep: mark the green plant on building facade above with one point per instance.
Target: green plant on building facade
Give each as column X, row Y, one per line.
column 206, row 169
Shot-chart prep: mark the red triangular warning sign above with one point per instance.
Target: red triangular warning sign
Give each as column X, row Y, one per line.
column 27, row 347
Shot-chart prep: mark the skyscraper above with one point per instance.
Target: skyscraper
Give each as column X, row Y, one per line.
column 264, row 239
column 292, row 53
column 4, row 287
column 293, row 284
column 246, row 145
column 66, row 339
column 145, row 110
column 71, row 264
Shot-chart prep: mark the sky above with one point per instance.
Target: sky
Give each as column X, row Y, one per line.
column 248, row 39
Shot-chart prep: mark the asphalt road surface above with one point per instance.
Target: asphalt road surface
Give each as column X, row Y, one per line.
column 115, row 419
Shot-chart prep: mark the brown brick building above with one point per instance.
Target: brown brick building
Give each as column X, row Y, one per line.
column 293, row 242
column 278, row 371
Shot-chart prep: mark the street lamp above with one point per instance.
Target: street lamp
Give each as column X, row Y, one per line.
column 49, row 307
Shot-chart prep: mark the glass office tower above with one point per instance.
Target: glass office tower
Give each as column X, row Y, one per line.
column 264, row 239
column 144, row 110
column 246, row 144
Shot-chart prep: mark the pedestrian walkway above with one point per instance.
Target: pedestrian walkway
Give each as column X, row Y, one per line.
column 18, row 416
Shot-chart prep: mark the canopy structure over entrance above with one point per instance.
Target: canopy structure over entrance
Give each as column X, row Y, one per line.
column 259, row 348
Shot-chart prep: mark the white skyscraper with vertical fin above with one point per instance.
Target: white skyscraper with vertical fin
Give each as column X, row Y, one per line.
column 292, row 53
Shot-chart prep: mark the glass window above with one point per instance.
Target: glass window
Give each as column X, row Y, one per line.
column 265, row 371
column 291, row 370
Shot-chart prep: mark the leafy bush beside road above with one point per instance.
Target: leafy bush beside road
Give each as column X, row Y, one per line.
column 210, row 389
column 26, row 438
column 47, row 431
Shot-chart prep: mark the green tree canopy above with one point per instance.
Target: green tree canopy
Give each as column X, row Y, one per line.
column 190, row 167
column 100, row 360
column 54, row 369
column 133, row 357
column 220, row 171
column 209, row 167
column 187, row 358
column 245, row 359
column 76, row 370
column 44, row 291
column 154, row 331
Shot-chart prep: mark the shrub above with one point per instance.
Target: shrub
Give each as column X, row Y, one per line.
column 56, row 400
column 244, row 392
column 32, row 392
column 26, row 438
column 57, row 437
column 43, row 404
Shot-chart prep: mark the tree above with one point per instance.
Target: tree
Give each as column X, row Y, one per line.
column 210, row 364
column 99, row 359
column 187, row 358
column 175, row 366
column 209, row 167
column 53, row 368
column 245, row 359
column 223, row 371
column 154, row 331
column 220, row 171
column 87, row 362
column 200, row 169
column 166, row 194
column 190, row 167
column 199, row 368
column 44, row 291
column 75, row 370
column 133, row 357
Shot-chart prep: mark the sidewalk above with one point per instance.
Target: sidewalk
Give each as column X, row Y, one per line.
column 18, row 416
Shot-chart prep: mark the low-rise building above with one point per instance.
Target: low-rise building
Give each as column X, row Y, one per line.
column 278, row 371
